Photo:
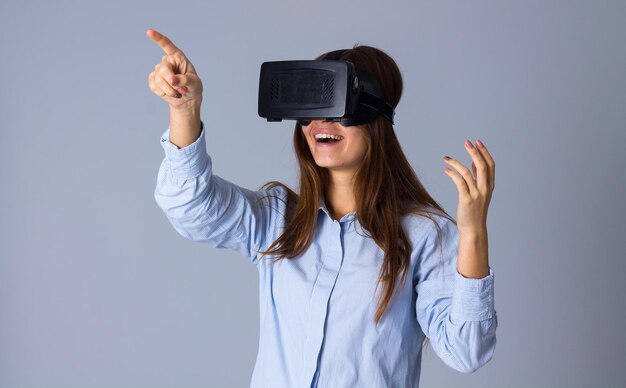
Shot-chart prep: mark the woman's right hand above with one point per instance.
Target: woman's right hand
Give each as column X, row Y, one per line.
column 174, row 79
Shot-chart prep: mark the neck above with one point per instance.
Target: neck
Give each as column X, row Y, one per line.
column 340, row 194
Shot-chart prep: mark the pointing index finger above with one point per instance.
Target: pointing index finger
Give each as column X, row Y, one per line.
column 163, row 41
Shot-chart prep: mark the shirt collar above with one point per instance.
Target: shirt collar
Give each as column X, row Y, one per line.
column 322, row 205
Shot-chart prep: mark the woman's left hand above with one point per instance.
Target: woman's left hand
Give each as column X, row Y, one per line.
column 474, row 190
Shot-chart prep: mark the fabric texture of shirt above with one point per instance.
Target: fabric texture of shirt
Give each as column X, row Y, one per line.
column 317, row 310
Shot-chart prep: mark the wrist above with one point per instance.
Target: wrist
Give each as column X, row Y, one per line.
column 190, row 108
column 473, row 260
column 473, row 233
column 185, row 125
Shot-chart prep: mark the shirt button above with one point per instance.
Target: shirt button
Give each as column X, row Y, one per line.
column 350, row 218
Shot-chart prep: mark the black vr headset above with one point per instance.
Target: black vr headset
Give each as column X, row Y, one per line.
column 330, row 90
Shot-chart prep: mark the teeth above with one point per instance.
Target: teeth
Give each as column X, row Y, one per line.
column 327, row 136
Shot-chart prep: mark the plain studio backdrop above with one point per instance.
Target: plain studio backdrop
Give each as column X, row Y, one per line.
column 98, row 290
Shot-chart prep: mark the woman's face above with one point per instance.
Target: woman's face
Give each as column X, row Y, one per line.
column 344, row 155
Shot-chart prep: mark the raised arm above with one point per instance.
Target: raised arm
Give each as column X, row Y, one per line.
column 175, row 80
column 455, row 312
column 202, row 206
column 206, row 208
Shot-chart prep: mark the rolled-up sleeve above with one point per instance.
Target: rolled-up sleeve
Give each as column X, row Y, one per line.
column 203, row 207
column 455, row 312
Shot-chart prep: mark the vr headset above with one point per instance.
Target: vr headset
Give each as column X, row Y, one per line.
column 331, row 90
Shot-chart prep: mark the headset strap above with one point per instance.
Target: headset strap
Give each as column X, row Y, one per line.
column 376, row 103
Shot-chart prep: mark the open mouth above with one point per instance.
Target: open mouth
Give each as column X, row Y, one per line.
column 326, row 138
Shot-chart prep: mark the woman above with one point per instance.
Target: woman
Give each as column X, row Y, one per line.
column 360, row 220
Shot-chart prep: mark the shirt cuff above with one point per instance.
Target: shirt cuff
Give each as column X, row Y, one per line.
column 187, row 162
column 472, row 299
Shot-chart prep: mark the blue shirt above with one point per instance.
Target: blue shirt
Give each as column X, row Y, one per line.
column 317, row 310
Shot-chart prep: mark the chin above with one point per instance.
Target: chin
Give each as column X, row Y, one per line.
column 325, row 162
column 331, row 166
column 324, row 165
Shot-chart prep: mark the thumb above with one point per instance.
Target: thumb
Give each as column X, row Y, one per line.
column 189, row 85
column 180, row 62
column 180, row 80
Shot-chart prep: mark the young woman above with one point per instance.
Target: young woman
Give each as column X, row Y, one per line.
column 360, row 220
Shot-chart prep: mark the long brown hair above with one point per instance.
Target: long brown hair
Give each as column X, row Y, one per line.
column 386, row 187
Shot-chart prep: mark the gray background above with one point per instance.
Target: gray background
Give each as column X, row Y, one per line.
column 98, row 290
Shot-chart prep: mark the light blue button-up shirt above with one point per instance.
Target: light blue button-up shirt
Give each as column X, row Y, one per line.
column 317, row 310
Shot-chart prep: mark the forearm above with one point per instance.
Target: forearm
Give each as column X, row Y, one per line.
column 185, row 125
column 457, row 311
column 473, row 259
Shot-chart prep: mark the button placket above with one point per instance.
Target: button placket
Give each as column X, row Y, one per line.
column 320, row 299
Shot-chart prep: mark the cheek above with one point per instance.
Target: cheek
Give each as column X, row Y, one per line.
column 306, row 134
column 361, row 148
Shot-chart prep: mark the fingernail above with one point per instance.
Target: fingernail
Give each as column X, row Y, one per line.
column 447, row 157
column 174, row 80
column 469, row 144
column 480, row 143
column 177, row 95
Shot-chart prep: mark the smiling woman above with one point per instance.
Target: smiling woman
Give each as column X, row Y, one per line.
column 360, row 219
column 366, row 172
column 340, row 150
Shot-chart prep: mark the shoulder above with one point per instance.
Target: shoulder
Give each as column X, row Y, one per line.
column 277, row 198
column 274, row 190
column 434, row 244
column 423, row 228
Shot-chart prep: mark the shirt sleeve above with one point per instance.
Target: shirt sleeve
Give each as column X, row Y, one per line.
column 205, row 208
column 455, row 312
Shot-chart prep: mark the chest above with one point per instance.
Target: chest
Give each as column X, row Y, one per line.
column 339, row 267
